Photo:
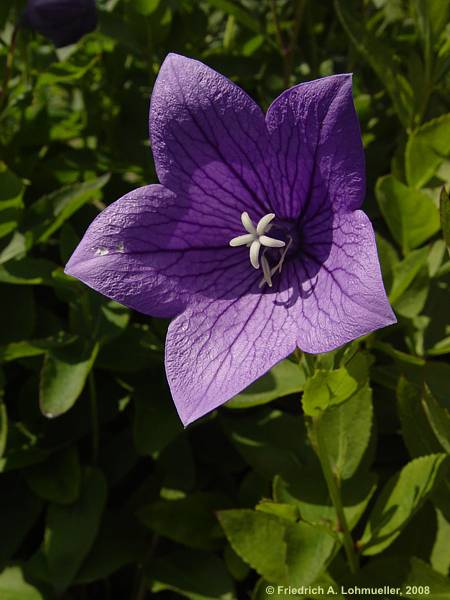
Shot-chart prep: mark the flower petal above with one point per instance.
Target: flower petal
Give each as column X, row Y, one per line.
column 317, row 141
column 147, row 252
column 345, row 297
column 216, row 349
column 210, row 141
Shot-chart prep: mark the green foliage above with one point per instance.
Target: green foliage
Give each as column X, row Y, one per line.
column 329, row 470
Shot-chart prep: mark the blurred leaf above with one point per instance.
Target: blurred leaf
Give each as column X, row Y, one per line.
column 58, row 479
column 273, row 443
column 50, row 212
column 327, row 388
column 444, row 205
column 11, row 192
column 120, row 541
column 346, row 430
column 281, row 551
column 156, row 422
column 283, row 379
column 238, row 12
column 15, row 350
column 426, row 149
column 190, row 520
column 63, row 377
column 401, row 497
column 411, row 215
column 379, row 56
column 19, row 510
column 28, row 271
column 194, row 574
column 14, row 587
column 17, row 317
column 71, row 530
column 3, row 425
column 440, row 557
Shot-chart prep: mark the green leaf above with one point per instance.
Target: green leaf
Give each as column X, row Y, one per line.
column 427, row 147
column 281, row 551
column 3, row 426
column 411, row 215
column 406, row 271
column 50, row 212
column 71, row 530
column 195, row 574
column 120, row 541
column 63, row 377
column 11, row 192
column 283, row 379
column 438, row 418
column 58, row 479
column 19, row 510
column 327, row 388
column 310, row 495
column 240, row 14
column 156, row 422
column 440, row 556
column 190, row 520
column 444, row 209
column 14, row 587
column 15, row 350
column 28, row 271
column 274, row 443
column 379, row 56
column 401, row 497
column 346, row 430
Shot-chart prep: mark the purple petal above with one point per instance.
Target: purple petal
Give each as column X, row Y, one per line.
column 149, row 251
column 217, row 348
column 344, row 297
column 317, row 141
column 210, row 142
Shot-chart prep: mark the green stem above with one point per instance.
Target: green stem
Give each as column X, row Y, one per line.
column 94, row 417
column 335, row 494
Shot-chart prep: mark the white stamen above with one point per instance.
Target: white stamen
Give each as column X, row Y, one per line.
column 261, row 228
column 242, row 240
column 271, row 242
column 255, row 238
column 248, row 223
column 254, row 253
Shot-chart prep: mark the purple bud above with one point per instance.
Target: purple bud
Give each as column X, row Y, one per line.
column 63, row 22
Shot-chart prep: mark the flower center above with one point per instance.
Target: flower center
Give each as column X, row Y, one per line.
column 255, row 238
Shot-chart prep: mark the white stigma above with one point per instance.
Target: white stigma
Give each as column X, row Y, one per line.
column 256, row 237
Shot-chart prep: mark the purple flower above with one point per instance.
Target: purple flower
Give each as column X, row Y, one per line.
column 61, row 21
column 254, row 242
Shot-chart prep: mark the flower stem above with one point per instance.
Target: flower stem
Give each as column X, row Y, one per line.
column 336, row 498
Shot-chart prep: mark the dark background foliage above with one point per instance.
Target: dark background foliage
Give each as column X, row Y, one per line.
column 103, row 495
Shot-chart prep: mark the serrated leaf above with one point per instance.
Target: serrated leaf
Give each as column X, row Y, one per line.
column 426, row 149
column 14, row 587
column 438, row 418
column 410, row 214
column 71, row 530
column 401, row 497
column 283, row 379
column 345, row 430
column 281, row 551
column 63, row 377
column 327, row 388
